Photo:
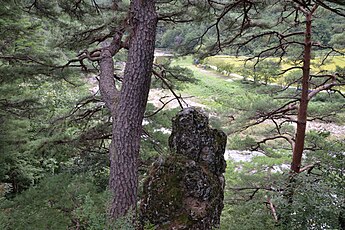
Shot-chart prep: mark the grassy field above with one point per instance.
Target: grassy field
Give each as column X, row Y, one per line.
column 226, row 98
column 270, row 70
column 212, row 89
column 238, row 62
column 231, row 98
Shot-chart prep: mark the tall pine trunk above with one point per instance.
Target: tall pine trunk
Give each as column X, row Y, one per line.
column 303, row 106
column 130, row 108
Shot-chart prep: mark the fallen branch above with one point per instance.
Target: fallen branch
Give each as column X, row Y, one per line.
column 310, row 167
column 273, row 209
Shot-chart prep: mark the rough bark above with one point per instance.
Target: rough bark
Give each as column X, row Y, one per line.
column 106, row 83
column 107, row 87
column 303, row 106
column 131, row 107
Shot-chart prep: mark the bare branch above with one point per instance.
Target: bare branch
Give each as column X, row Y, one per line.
column 287, row 138
column 324, row 87
column 310, row 167
column 81, row 104
column 273, row 209
column 160, row 76
column 289, row 69
column 339, row 11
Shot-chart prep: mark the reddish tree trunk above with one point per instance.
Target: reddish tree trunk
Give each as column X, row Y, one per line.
column 127, row 124
column 303, row 106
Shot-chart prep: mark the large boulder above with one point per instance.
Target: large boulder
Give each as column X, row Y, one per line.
column 186, row 190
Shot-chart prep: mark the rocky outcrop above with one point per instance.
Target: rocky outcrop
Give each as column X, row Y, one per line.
column 186, row 190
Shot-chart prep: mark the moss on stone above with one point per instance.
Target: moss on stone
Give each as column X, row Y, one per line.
column 185, row 191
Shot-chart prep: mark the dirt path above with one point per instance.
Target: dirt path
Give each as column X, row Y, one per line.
column 160, row 97
column 213, row 73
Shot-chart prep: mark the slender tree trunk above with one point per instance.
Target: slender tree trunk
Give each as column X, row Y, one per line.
column 127, row 123
column 303, row 106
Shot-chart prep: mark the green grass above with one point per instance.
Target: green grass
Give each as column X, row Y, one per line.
column 227, row 97
column 220, row 59
column 210, row 90
column 330, row 64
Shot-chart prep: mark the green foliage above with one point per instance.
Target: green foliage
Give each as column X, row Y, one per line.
column 55, row 203
column 123, row 223
column 60, row 201
column 183, row 38
column 316, row 202
column 238, row 143
column 36, row 97
column 28, row 143
column 241, row 211
column 50, row 127
column 318, row 197
column 266, row 71
column 158, row 128
column 175, row 77
column 251, row 215
column 269, row 69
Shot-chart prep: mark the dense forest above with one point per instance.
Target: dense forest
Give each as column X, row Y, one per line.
column 89, row 89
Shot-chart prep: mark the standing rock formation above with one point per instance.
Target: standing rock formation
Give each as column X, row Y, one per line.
column 186, row 190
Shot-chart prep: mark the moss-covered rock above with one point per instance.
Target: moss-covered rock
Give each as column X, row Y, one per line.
column 192, row 137
column 185, row 190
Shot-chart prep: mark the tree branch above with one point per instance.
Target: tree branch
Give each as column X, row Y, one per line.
column 107, row 86
column 160, row 76
column 324, row 87
column 287, row 138
column 273, row 209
